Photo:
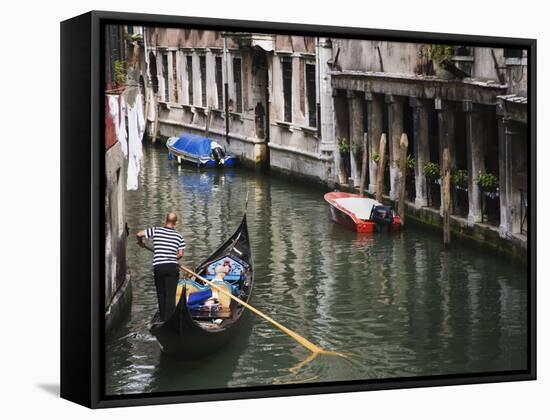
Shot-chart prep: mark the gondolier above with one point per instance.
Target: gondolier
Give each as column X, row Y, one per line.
column 169, row 247
column 200, row 327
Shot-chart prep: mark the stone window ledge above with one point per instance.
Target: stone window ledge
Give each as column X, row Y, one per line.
column 284, row 124
column 312, row 131
column 236, row 116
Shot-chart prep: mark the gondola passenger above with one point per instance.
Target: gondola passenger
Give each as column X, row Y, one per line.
column 169, row 247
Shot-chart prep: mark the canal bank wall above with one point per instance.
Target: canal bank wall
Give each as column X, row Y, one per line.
column 484, row 235
column 306, row 107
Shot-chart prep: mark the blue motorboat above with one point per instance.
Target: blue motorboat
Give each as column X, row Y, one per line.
column 199, row 151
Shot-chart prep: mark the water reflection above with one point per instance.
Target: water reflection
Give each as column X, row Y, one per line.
column 399, row 302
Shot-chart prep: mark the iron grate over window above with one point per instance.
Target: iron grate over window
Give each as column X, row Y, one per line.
column 202, row 65
column 287, row 88
column 237, row 78
column 189, row 66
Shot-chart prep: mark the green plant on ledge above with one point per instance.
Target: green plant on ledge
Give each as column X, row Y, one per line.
column 375, row 157
column 442, row 55
column 487, row 182
column 343, row 145
column 357, row 149
column 409, row 163
column 460, row 178
column 120, row 68
column 431, row 170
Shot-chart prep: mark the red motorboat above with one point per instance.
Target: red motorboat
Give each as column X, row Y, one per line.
column 361, row 214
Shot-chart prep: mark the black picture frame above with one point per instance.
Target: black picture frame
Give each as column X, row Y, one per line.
column 82, row 209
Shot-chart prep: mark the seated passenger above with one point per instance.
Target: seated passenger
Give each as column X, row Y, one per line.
column 221, row 272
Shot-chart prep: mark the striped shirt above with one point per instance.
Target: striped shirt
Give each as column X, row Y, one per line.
column 167, row 242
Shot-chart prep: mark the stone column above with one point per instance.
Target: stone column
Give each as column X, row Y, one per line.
column 395, row 128
column 504, row 176
column 421, row 149
column 325, row 104
column 374, row 131
column 356, row 124
column 446, row 124
column 340, row 130
column 516, row 173
column 475, row 143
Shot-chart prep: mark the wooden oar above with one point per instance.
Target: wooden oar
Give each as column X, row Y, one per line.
column 315, row 349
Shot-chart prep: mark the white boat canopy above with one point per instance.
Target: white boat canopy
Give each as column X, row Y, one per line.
column 360, row 206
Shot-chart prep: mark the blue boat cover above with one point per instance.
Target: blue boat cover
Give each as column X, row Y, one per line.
column 199, row 297
column 194, row 145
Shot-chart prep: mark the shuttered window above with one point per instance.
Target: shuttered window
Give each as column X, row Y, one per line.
column 237, row 78
column 165, row 77
column 202, row 64
column 189, row 66
column 311, row 95
column 219, row 81
column 286, row 64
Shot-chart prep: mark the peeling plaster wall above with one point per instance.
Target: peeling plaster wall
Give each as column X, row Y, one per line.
column 290, row 140
column 361, row 55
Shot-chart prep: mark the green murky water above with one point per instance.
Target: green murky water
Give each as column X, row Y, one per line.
column 400, row 303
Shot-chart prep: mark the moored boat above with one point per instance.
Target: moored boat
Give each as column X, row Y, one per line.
column 201, row 326
column 202, row 152
column 361, row 214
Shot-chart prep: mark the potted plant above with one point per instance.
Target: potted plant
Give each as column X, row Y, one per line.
column 120, row 68
column 431, row 170
column 487, row 182
column 459, row 178
column 344, row 148
column 357, row 149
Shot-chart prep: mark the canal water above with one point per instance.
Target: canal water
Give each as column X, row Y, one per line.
column 399, row 303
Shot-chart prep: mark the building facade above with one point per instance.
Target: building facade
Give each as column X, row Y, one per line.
column 275, row 88
column 307, row 106
column 474, row 103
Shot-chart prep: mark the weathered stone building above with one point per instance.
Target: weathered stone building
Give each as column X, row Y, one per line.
column 279, row 108
column 304, row 105
column 118, row 53
column 476, row 107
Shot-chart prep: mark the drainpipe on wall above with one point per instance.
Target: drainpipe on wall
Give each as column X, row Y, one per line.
column 226, row 89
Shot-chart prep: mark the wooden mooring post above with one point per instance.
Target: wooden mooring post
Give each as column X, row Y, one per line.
column 446, row 185
column 381, row 167
column 364, row 166
column 403, row 145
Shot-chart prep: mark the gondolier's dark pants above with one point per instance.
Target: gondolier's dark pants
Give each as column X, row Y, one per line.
column 166, row 281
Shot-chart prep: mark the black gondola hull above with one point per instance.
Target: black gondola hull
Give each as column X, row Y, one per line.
column 184, row 339
column 181, row 336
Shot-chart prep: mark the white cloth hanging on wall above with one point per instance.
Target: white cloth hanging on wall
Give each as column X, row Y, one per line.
column 136, row 127
column 114, row 112
column 118, row 116
column 122, row 135
column 152, row 106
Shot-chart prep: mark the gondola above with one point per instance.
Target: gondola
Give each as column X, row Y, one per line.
column 199, row 329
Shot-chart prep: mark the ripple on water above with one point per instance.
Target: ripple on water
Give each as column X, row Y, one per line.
column 399, row 304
